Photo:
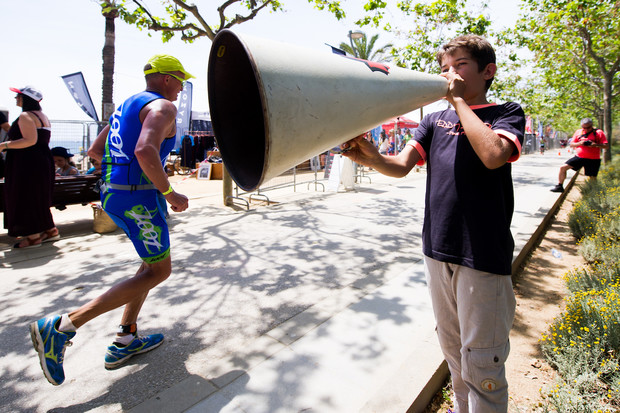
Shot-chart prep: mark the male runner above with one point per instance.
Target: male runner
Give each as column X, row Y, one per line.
column 132, row 149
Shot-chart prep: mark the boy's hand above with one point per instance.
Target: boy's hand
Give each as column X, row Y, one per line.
column 359, row 150
column 456, row 87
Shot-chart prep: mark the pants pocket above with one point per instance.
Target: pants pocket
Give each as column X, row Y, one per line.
column 483, row 368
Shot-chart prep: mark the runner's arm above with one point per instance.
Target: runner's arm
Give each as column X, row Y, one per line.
column 158, row 123
column 97, row 148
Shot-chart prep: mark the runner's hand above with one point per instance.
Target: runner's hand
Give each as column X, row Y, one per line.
column 178, row 202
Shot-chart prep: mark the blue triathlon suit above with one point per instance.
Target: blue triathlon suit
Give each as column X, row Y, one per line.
column 137, row 208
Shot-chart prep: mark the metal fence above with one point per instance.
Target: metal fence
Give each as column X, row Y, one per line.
column 76, row 136
column 300, row 174
column 310, row 176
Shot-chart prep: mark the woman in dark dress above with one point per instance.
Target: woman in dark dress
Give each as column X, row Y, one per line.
column 29, row 174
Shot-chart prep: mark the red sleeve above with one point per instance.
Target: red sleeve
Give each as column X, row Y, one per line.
column 515, row 141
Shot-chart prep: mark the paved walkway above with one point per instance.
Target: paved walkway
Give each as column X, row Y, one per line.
column 315, row 303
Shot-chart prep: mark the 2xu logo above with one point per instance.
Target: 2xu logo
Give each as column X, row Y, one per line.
column 150, row 234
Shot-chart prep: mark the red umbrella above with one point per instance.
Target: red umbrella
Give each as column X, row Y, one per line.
column 403, row 123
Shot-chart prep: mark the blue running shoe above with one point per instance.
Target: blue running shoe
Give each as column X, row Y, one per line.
column 50, row 344
column 117, row 355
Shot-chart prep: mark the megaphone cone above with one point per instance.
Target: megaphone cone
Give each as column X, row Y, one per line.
column 275, row 105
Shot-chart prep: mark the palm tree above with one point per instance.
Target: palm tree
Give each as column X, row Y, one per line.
column 363, row 49
column 110, row 12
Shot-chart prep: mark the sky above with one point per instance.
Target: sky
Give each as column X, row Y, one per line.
column 44, row 40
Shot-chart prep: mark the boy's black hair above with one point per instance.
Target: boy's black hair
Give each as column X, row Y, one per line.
column 29, row 104
column 478, row 47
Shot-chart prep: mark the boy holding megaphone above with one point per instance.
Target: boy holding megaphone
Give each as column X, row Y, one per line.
column 467, row 242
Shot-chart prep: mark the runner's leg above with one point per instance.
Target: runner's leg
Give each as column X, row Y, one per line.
column 133, row 290
column 132, row 309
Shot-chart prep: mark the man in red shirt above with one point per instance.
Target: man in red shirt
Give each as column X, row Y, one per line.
column 587, row 142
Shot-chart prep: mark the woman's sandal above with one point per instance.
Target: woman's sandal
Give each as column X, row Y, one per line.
column 50, row 235
column 28, row 243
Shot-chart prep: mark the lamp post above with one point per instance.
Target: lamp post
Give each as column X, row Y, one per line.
column 355, row 34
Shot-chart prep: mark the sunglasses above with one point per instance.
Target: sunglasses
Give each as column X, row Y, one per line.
column 176, row 77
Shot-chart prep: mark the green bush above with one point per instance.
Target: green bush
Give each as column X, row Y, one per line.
column 599, row 197
column 593, row 277
column 582, row 219
column 603, row 246
column 609, row 177
column 583, row 343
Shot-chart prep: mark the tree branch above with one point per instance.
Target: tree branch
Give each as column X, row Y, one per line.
column 145, row 9
column 238, row 18
column 193, row 9
column 600, row 61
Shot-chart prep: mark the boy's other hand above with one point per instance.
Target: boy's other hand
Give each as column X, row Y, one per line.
column 359, row 150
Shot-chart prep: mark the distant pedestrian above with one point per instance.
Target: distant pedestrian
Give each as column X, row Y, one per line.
column 133, row 148
column 4, row 130
column 62, row 160
column 407, row 137
column 29, row 170
column 384, row 144
column 4, row 123
column 95, row 169
column 587, row 142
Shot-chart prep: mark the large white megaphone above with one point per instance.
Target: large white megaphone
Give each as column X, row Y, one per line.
column 274, row 105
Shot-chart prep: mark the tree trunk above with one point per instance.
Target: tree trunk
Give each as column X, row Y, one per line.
column 107, row 86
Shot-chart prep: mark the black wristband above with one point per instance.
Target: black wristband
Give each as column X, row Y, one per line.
column 128, row 329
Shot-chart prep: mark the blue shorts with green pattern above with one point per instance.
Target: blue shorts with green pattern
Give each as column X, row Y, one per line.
column 141, row 214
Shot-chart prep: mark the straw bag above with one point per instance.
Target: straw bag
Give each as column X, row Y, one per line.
column 102, row 223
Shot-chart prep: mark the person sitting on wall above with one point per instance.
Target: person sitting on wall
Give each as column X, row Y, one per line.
column 587, row 142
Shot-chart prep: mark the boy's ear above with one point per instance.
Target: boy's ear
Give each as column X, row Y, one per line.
column 489, row 71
